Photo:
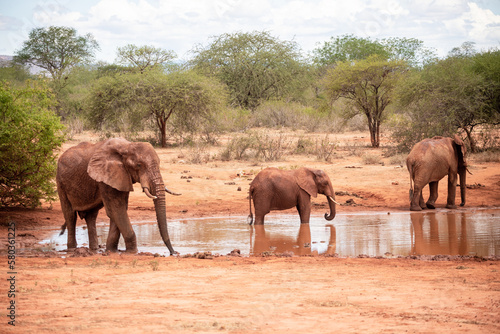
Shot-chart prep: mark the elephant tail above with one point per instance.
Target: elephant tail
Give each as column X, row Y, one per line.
column 250, row 216
column 63, row 229
column 410, row 169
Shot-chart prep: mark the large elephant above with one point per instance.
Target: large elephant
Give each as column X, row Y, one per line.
column 275, row 189
column 428, row 162
column 93, row 176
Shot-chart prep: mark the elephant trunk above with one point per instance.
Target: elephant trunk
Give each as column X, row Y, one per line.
column 463, row 184
column 160, row 208
column 332, row 203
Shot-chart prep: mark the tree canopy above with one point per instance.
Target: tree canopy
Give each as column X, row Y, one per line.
column 144, row 57
column 452, row 94
column 255, row 66
column 351, row 48
column 57, row 50
column 132, row 98
column 368, row 87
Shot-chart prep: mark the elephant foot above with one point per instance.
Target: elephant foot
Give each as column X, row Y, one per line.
column 450, row 206
column 112, row 249
column 431, row 206
column 415, row 208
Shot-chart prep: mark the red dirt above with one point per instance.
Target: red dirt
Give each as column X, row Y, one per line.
column 140, row 293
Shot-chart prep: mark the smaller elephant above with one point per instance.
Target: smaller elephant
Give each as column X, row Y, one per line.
column 275, row 189
column 428, row 162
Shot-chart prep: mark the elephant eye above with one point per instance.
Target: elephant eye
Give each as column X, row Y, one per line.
column 139, row 165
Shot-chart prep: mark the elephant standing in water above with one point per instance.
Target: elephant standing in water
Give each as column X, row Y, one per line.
column 428, row 162
column 275, row 189
column 93, row 176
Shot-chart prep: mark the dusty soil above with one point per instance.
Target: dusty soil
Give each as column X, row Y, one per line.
column 143, row 293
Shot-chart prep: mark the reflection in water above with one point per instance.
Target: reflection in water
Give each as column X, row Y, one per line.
column 375, row 234
column 302, row 244
column 449, row 242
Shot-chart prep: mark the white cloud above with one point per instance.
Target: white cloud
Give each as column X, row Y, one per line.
column 485, row 25
column 181, row 24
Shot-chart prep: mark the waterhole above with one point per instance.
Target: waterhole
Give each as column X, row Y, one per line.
column 437, row 232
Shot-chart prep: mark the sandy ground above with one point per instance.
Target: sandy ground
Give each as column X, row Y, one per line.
column 141, row 293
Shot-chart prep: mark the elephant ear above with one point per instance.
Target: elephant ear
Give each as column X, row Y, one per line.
column 106, row 165
column 306, row 181
column 461, row 150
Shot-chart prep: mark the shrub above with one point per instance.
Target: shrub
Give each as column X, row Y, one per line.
column 30, row 132
column 198, row 154
column 487, row 156
column 257, row 145
column 304, row 146
column 238, row 148
column 371, row 159
column 325, row 149
column 272, row 148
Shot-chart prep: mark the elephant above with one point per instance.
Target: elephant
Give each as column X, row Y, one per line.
column 92, row 176
column 428, row 162
column 275, row 189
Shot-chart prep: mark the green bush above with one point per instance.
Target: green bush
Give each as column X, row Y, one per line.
column 30, row 132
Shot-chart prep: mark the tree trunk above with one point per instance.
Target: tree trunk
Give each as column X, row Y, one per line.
column 373, row 127
column 472, row 142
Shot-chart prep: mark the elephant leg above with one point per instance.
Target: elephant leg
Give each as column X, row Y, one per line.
column 433, row 189
column 259, row 216
column 452, row 191
column 70, row 220
column 304, row 213
column 262, row 208
column 417, row 201
column 116, row 204
column 113, row 237
column 90, row 219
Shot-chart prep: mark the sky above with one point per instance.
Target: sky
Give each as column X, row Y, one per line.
column 180, row 25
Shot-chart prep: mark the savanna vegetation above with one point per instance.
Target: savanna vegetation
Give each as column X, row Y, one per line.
column 252, row 85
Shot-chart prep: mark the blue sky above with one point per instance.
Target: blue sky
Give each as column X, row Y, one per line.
column 179, row 25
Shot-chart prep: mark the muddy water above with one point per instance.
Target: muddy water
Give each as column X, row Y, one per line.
column 373, row 234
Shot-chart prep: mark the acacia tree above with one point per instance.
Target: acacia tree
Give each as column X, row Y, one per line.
column 57, row 50
column 459, row 92
column 255, row 66
column 190, row 96
column 135, row 97
column 368, row 86
column 347, row 48
column 351, row 48
column 144, row 57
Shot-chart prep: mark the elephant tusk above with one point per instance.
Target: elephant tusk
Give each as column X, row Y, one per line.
column 171, row 192
column 467, row 169
column 334, row 201
column 146, row 190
